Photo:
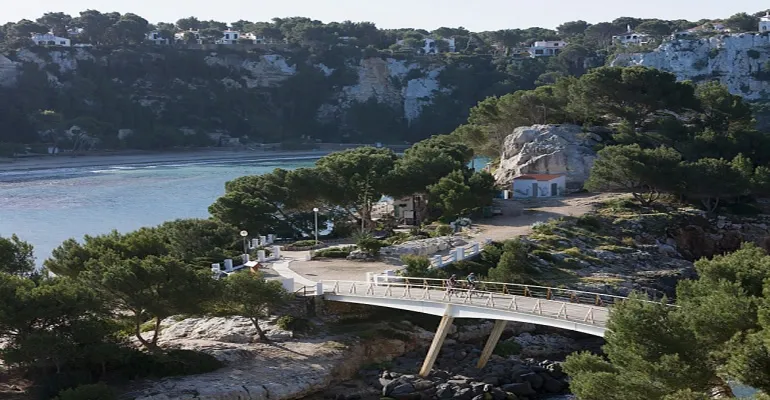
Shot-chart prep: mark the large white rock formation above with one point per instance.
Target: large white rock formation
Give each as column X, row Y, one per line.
column 548, row 149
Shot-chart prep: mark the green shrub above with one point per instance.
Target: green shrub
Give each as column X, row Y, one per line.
column 290, row 323
column 507, row 348
column 590, row 222
column 176, row 363
column 543, row 228
column 573, row 252
column 465, row 267
column 544, row 255
column 514, row 263
column 368, row 244
column 491, row 254
column 443, row 230
column 571, row 263
column 398, row 238
column 305, row 243
column 753, row 54
column 335, row 252
column 98, row 391
column 419, row 267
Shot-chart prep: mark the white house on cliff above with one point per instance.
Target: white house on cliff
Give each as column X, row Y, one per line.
column 631, row 37
column 545, row 48
column 764, row 23
column 49, row 39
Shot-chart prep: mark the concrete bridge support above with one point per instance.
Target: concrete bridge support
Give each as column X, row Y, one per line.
column 438, row 341
column 494, row 337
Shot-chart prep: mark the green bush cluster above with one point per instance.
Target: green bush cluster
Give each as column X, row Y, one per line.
column 304, row 243
column 294, row 324
column 98, row 391
column 335, row 252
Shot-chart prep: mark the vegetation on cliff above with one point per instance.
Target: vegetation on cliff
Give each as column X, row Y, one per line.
column 170, row 96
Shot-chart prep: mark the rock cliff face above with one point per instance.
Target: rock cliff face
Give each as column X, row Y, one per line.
column 265, row 92
column 548, row 149
column 739, row 61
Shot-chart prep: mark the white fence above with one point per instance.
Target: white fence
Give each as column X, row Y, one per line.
column 458, row 254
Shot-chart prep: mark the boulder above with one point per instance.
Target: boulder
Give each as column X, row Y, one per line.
column 402, row 389
column 520, row 389
column 548, row 149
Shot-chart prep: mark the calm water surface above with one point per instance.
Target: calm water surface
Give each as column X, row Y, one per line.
column 46, row 207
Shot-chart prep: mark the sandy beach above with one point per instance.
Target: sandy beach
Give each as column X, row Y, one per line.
column 147, row 158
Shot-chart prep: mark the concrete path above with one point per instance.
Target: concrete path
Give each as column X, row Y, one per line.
column 282, row 268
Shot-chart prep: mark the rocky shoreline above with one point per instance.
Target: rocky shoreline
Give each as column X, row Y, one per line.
column 367, row 361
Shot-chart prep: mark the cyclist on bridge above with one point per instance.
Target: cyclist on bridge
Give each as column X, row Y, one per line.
column 471, row 281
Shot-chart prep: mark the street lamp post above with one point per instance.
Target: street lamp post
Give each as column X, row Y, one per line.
column 245, row 245
column 315, row 210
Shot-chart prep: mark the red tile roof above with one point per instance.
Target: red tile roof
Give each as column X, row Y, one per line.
column 539, row 177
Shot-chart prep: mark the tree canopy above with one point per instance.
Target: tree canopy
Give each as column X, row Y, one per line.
column 718, row 332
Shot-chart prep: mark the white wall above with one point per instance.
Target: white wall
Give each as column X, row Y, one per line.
column 522, row 188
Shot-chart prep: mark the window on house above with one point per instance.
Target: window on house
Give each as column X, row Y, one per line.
column 227, row 36
column 62, row 43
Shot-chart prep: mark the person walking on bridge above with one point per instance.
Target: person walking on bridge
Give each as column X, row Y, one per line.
column 451, row 284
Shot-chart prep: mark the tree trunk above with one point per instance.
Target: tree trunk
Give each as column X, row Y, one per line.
column 260, row 332
column 157, row 331
column 138, row 331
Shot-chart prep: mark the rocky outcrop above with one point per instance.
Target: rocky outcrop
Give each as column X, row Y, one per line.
column 455, row 376
column 739, row 61
column 548, row 149
column 423, row 247
column 276, row 371
column 264, row 71
column 706, row 238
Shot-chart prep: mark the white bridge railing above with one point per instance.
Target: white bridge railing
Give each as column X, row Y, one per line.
column 574, row 306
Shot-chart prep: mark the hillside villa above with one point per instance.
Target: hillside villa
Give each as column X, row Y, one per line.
column 631, row 37
column 546, row 48
column 49, row 39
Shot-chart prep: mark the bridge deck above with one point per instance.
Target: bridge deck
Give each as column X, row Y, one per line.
column 580, row 311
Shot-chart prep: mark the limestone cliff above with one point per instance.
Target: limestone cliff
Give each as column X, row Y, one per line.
column 264, row 96
column 740, row 61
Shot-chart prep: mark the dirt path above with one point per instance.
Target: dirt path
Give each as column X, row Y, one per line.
column 517, row 220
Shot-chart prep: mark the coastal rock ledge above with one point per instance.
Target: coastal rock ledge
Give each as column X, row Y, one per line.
column 548, row 149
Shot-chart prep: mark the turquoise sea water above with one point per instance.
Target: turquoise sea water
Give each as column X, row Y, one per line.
column 46, row 207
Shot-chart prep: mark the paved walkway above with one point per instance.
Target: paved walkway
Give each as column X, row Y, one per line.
column 282, row 268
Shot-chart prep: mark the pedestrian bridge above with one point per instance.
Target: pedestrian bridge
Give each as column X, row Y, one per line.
column 574, row 310
column 560, row 308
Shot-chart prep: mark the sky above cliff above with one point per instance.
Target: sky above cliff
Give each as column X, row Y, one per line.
column 477, row 15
